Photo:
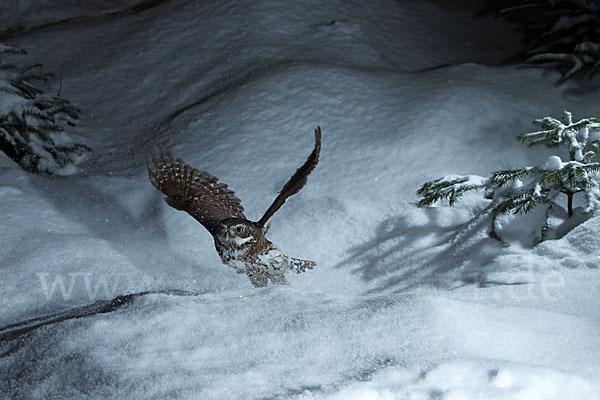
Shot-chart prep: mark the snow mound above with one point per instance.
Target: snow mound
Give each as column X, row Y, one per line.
column 467, row 381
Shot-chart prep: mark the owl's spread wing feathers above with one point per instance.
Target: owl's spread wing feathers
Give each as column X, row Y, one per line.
column 296, row 182
column 188, row 189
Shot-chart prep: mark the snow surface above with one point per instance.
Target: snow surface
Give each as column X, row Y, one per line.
column 404, row 303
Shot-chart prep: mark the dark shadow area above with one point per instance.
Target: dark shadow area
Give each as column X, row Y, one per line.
column 140, row 7
column 582, row 85
column 14, row 331
column 391, row 238
column 234, row 78
column 403, row 256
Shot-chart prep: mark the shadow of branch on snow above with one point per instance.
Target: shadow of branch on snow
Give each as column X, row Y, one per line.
column 444, row 248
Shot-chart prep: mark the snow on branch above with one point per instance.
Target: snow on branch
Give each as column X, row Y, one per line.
column 32, row 122
column 559, row 34
column 449, row 188
column 521, row 191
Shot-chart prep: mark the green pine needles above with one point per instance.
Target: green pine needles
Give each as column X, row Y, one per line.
column 32, row 122
column 521, row 191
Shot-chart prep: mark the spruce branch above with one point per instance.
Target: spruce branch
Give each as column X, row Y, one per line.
column 559, row 34
column 520, row 191
column 520, row 202
column 445, row 190
column 500, row 179
column 33, row 124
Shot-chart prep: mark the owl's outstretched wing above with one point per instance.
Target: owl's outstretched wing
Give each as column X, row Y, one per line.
column 296, row 182
column 188, row 189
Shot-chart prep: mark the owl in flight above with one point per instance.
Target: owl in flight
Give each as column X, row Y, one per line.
column 241, row 243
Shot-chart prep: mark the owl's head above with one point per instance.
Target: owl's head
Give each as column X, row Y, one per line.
column 238, row 231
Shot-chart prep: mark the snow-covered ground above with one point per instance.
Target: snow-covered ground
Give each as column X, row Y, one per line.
column 106, row 292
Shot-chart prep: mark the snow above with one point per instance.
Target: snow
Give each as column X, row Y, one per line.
column 553, row 163
column 106, row 292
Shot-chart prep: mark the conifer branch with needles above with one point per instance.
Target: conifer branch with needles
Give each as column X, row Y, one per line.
column 558, row 34
column 520, row 191
column 32, row 122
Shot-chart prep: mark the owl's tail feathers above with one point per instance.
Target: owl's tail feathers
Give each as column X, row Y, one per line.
column 299, row 265
column 169, row 175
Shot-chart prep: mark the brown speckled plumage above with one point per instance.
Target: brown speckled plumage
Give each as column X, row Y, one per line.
column 240, row 243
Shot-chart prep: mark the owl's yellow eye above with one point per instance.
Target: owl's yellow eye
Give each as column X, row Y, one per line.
column 239, row 229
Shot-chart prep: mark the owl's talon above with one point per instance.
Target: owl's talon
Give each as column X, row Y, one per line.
column 300, row 265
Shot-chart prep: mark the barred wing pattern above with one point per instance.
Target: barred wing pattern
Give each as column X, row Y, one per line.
column 188, row 189
column 296, row 182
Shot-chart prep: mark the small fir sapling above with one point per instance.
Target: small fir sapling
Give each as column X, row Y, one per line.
column 520, row 191
column 32, row 122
